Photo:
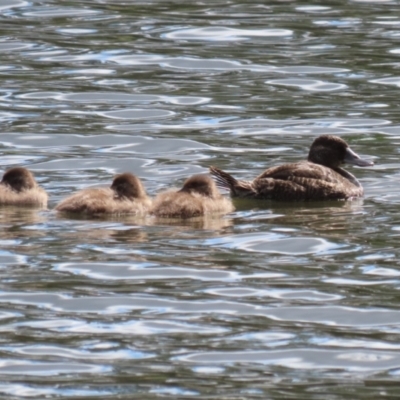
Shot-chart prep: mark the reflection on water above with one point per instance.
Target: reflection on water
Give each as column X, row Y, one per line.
column 275, row 300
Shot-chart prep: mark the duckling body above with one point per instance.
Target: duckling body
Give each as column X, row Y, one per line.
column 199, row 196
column 126, row 195
column 19, row 188
column 318, row 178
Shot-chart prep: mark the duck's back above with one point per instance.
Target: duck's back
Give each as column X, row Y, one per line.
column 302, row 169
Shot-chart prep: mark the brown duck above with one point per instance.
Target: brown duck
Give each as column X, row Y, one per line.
column 318, row 178
column 126, row 195
column 19, row 188
column 199, row 196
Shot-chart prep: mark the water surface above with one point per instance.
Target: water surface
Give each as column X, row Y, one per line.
column 276, row 300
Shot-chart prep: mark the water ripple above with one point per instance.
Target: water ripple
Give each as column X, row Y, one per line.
column 304, row 359
column 274, row 300
column 308, row 84
column 113, row 97
column 137, row 113
column 216, row 33
column 14, row 45
column 27, row 368
column 110, row 305
column 56, row 12
column 140, row 272
column 271, row 243
column 7, row 4
column 129, row 328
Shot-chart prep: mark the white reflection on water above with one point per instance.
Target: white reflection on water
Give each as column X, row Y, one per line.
column 18, row 389
column 309, row 85
column 304, row 359
column 272, row 242
column 26, row 368
column 221, row 33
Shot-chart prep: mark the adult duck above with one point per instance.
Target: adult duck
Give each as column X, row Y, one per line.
column 318, row 178
column 126, row 195
column 199, row 196
column 19, row 188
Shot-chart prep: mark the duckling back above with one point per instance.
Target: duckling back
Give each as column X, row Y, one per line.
column 173, row 204
column 120, row 198
column 198, row 196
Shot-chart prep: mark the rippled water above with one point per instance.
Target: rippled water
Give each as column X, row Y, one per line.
column 275, row 300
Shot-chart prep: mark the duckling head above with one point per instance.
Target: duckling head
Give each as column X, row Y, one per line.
column 19, row 179
column 201, row 184
column 129, row 186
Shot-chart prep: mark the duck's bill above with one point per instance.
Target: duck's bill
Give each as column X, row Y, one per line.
column 353, row 158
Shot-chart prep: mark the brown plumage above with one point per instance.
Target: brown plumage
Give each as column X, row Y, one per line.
column 126, row 195
column 19, row 188
column 318, row 178
column 198, row 196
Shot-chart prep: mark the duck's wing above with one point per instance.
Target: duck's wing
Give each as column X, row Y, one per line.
column 306, row 181
column 300, row 189
column 304, row 169
column 260, row 188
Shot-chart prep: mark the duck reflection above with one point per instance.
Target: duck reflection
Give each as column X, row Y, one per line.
column 14, row 221
column 207, row 222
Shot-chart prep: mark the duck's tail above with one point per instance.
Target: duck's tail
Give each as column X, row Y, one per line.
column 224, row 180
column 237, row 188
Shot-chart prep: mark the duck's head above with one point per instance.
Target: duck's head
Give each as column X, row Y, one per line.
column 19, row 179
column 201, row 184
column 128, row 185
column 332, row 151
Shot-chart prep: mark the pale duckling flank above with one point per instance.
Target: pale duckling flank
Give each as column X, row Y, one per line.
column 19, row 188
column 198, row 196
column 318, row 178
column 126, row 195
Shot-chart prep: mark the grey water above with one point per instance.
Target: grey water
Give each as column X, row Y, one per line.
column 273, row 301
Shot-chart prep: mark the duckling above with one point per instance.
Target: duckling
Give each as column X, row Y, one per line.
column 19, row 188
column 318, row 178
column 126, row 195
column 198, row 196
